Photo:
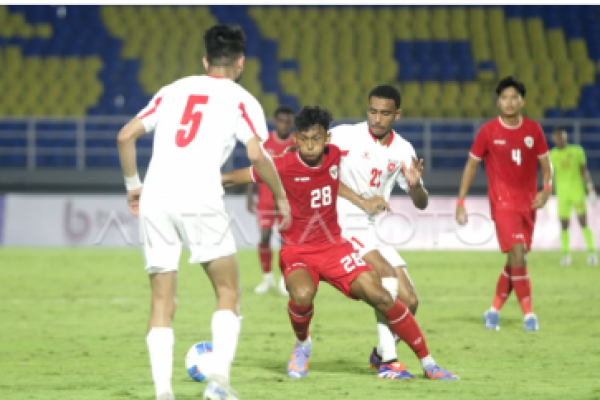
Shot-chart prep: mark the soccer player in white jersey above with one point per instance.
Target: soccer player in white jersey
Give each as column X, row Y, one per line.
column 374, row 159
column 196, row 121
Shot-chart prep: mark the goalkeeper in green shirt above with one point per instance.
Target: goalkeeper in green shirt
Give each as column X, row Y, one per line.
column 570, row 172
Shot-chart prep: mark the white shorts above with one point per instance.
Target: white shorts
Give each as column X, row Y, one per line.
column 366, row 240
column 165, row 228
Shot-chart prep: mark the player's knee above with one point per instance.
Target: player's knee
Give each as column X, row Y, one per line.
column 302, row 295
column 379, row 298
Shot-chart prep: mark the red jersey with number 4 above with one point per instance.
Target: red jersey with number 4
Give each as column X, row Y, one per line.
column 511, row 157
column 274, row 146
column 196, row 122
column 312, row 194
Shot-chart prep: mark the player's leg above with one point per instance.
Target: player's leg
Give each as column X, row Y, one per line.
column 503, row 289
column 162, row 250
column 564, row 206
column 266, row 219
column 302, row 287
column 588, row 236
column 206, row 231
column 367, row 287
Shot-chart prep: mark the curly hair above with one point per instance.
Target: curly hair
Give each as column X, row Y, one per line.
column 311, row 116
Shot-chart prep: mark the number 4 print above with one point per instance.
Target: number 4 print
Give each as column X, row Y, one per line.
column 516, row 156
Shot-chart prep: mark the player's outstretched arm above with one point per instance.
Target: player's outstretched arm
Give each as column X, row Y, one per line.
column 237, row 177
column 127, row 155
column 465, row 185
column 542, row 197
column 373, row 205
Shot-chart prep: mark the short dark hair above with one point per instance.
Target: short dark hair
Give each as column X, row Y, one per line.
column 225, row 44
column 387, row 92
column 311, row 116
column 509, row 81
column 284, row 110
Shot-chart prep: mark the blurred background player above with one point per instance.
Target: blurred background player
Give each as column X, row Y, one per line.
column 313, row 248
column 571, row 177
column 374, row 158
column 266, row 214
column 511, row 146
column 196, row 121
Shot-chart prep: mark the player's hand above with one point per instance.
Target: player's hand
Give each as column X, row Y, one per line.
column 283, row 208
column 133, row 201
column 375, row 205
column 414, row 172
column 461, row 215
column 540, row 199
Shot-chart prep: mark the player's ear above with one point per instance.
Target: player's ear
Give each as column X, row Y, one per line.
column 240, row 63
column 398, row 114
column 205, row 63
column 328, row 137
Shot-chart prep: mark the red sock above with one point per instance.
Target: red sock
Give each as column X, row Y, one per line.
column 503, row 289
column 300, row 317
column 405, row 326
column 522, row 285
column 264, row 251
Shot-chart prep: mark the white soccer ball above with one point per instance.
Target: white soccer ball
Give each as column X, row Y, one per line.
column 195, row 357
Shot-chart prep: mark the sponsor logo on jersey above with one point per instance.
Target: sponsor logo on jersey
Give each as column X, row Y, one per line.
column 302, row 179
column 366, row 155
column 529, row 141
column 391, row 166
column 500, row 141
column 334, row 171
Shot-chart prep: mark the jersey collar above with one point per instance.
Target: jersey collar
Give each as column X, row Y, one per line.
column 389, row 143
column 511, row 127
column 308, row 166
column 216, row 77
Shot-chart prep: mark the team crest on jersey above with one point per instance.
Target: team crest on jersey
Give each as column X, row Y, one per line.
column 391, row 166
column 529, row 141
column 334, row 171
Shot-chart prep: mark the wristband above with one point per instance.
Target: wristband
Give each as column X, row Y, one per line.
column 460, row 202
column 548, row 187
column 133, row 182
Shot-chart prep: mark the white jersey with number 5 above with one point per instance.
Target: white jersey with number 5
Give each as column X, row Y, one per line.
column 369, row 169
column 196, row 121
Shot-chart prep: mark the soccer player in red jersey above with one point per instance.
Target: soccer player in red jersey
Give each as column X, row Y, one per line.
column 278, row 141
column 314, row 250
column 511, row 147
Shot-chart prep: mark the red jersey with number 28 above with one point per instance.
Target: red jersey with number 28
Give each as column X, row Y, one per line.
column 511, row 157
column 274, row 146
column 196, row 122
column 312, row 194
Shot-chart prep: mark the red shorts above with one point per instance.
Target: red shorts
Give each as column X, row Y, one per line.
column 514, row 227
column 337, row 264
column 267, row 216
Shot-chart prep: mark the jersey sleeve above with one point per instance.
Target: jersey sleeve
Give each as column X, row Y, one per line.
column 541, row 146
column 480, row 146
column 280, row 163
column 340, row 136
column 252, row 122
column 149, row 114
column 582, row 158
column 407, row 155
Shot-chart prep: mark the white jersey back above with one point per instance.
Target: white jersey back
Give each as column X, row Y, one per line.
column 196, row 121
column 368, row 167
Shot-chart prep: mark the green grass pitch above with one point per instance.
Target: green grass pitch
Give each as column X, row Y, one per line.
column 74, row 321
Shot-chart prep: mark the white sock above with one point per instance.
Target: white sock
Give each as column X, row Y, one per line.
column 268, row 276
column 387, row 341
column 225, row 332
column 160, row 346
column 530, row 315
column 303, row 343
column 425, row 361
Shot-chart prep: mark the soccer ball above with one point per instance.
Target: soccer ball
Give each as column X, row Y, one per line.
column 193, row 357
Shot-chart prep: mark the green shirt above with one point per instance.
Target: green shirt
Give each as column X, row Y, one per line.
column 567, row 162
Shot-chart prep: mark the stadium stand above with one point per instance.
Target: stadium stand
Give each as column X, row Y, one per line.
column 88, row 60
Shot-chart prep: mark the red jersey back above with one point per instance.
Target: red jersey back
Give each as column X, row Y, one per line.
column 511, row 158
column 274, row 146
column 312, row 194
